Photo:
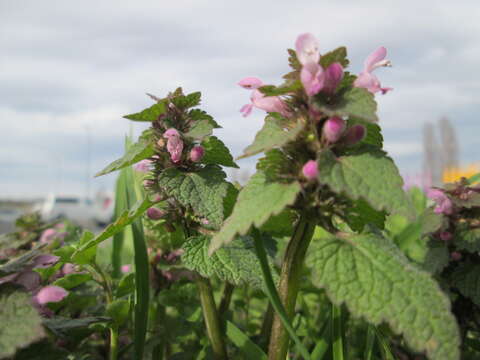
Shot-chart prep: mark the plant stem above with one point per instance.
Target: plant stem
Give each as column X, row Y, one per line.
column 226, row 298
column 289, row 283
column 266, row 327
column 212, row 320
column 113, row 343
column 337, row 335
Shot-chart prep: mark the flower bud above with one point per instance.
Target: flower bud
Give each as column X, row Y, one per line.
column 148, row 183
column 126, row 268
column 155, row 214
column 446, row 235
column 355, row 134
column 310, row 170
column 196, row 153
column 68, row 269
column 333, row 129
column 48, row 235
column 50, row 294
column 456, row 256
column 333, row 77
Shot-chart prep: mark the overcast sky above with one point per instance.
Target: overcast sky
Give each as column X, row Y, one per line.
column 70, row 68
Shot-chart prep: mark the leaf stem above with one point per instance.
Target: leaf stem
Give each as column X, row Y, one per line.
column 289, row 284
column 212, row 320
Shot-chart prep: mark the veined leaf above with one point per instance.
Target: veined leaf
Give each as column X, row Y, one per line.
column 149, row 114
column 288, row 88
column 125, row 219
column 466, row 278
column 467, row 239
column 376, row 281
column 21, row 323
column 235, row 263
column 187, row 101
column 338, row 55
column 256, row 203
column 370, row 176
column 141, row 150
column 216, row 152
column 203, row 191
column 355, row 102
column 276, row 132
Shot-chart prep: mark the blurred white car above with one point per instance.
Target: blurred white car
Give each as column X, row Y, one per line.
column 74, row 208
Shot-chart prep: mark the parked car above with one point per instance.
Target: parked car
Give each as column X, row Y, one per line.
column 74, row 208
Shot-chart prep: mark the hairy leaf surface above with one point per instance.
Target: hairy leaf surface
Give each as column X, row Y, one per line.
column 367, row 175
column 149, row 114
column 376, row 281
column 235, row 262
column 256, row 203
column 202, row 191
column 217, row 153
column 276, row 132
column 466, row 278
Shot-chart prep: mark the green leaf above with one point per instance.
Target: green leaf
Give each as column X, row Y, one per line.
column 19, row 263
column 370, row 176
column 293, row 60
column 235, row 262
column 201, row 129
column 361, row 214
column 373, row 134
column 125, row 219
column 85, row 254
column 276, row 132
column 280, row 225
column 63, row 327
column 274, row 164
column 288, row 88
column 355, row 102
column 248, row 348
column 338, row 55
column 72, row 280
column 149, row 114
column 21, row 323
column 216, row 153
column 466, row 239
column 203, row 191
column 126, row 286
column 466, row 278
column 187, row 101
column 141, row 150
column 119, row 238
column 474, row 179
column 436, row 258
column 118, row 310
column 375, row 280
column 256, row 203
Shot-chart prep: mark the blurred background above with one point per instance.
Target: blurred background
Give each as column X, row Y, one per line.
column 70, row 70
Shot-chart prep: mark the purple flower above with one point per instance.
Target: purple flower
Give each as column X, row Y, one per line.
column 68, row 269
column 456, row 256
column 196, row 153
column 259, row 100
column 333, row 129
column 333, row 77
column 48, row 235
column 443, row 203
column 155, row 214
column 174, row 144
column 355, row 134
column 43, row 261
column 312, row 74
column 307, row 49
column 126, row 268
column 366, row 79
column 30, row 280
column 143, row 166
column 310, row 170
column 446, row 235
column 50, row 294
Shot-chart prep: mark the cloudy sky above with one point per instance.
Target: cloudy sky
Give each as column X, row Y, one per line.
column 69, row 70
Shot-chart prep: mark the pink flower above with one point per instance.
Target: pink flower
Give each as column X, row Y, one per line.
column 259, row 100
column 174, row 144
column 446, row 236
column 48, row 235
column 155, row 214
column 310, row 170
column 143, row 166
column 333, row 77
column 443, row 203
column 333, row 129
column 43, row 261
column 126, row 268
column 355, row 134
column 307, row 49
column 456, row 256
column 366, row 79
column 68, row 269
column 196, row 153
column 50, row 294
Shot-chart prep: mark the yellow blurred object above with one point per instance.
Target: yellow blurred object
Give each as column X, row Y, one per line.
column 455, row 174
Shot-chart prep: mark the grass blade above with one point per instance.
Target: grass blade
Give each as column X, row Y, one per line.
column 273, row 294
column 118, row 238
column 370, row 342
column 322, row 346
column 243, row 342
